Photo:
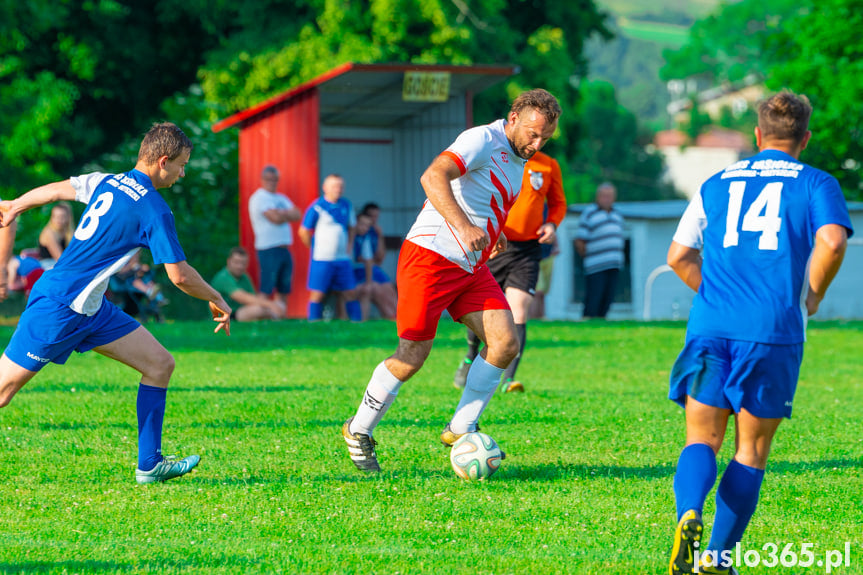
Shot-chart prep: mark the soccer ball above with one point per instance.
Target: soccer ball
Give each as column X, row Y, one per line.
column 475, row 456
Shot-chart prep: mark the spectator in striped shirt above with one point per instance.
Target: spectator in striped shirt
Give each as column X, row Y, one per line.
column 599, row 241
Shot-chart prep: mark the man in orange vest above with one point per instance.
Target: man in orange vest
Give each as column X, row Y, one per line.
column 528, row 227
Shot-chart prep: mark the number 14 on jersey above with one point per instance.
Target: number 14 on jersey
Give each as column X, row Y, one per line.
column 761, row 217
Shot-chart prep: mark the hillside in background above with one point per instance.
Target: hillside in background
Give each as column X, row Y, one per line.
column 631, row 61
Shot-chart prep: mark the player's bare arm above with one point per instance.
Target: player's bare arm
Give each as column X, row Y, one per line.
column 436, row 183
column 305, row 236
column 7, row 242
column 189, row 281
column 500, row 246
column 686, row 263
column 830, row 244
column 581, row 247
column 36, row 197
column 282, row 216
column 547, row 233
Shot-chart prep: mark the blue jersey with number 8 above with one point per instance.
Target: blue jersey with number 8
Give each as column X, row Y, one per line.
column 124, row 213
column 756, row 222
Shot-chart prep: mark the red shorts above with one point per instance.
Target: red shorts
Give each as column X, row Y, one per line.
column 428, row 283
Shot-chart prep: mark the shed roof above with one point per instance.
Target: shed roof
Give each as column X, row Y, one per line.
column 371, row 94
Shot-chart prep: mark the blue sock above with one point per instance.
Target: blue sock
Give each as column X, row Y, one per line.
column 316, row 311
column 151, row 414
column 736, row 499
column 695, row 476
column 355, row 312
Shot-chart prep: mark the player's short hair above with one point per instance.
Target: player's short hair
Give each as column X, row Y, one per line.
column 270, row 170
column 163, row 139
column 784, row 116
column 238, row 251
column 539, row 100
column 369, row 207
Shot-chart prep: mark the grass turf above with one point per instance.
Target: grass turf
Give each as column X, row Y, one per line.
column 586, row 486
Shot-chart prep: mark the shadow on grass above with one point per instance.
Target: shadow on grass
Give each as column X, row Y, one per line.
column 807, row 466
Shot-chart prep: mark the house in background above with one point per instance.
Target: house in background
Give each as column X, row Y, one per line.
column 688, row 165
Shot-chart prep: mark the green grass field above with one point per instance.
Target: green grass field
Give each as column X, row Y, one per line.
column 586, row 487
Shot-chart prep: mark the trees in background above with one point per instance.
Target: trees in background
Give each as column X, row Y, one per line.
column 825, row 62
column 809, row 47
column 613, row 149
column 543, row 37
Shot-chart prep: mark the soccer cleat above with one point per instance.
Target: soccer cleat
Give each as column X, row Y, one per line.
column 460, row 378
column 706, row 565
column 448, row 437
column 687, row 538
column 514, row 387
column 169, row 468
column 361, row 448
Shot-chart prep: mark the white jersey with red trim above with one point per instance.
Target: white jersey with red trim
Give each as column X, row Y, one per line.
column 490, row 181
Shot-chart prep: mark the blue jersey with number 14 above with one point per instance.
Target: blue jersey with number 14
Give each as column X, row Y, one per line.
column 124, row 213
column 756, row 222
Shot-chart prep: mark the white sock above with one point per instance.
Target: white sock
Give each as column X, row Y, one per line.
column 380, row 394
column 482, row 381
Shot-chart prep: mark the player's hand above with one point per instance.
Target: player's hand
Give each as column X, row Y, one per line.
column 813, row 301
column 546, row 233
column 8, row 213
column 500, row 246
column 222, row 314
column 475, row 238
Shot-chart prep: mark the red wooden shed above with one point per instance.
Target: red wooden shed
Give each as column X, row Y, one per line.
column 376, row 125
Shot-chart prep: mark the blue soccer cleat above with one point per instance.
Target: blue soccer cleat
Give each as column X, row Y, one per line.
column 169, row 468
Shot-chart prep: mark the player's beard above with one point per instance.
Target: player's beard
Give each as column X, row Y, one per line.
column 521, row 152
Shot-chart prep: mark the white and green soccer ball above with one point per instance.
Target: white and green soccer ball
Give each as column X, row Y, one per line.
column 475, row 456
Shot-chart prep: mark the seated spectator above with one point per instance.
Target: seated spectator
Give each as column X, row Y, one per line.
column 374, row 212
column 235, row 285
column 56, row 234
column 135, row 291
column 373, row 283
column 23, row 270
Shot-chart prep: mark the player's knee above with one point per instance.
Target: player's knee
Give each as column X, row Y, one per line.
column 506, row 349
column 7, row 392
column 751, row 457
column 163, row 368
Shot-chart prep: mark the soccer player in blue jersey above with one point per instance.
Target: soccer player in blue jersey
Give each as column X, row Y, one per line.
column 67, row 309
column 328, row 228
column 760, row 243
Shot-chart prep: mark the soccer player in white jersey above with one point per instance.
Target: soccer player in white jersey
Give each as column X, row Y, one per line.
column 470, row 187
column 773, row 233
column 67, row 309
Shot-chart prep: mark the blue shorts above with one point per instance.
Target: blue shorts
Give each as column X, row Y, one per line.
column 734, row 374
column 277, row 267
column 49, row 331
column 335, row 276
column 379, row 276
